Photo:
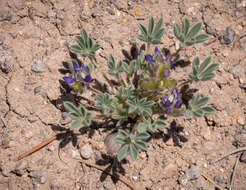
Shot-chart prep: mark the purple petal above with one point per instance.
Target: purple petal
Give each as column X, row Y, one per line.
column 68, row 80
column 166, row 72
column 178, row 104
column 75, row 66
column 157, row 50
column 177, row 93
column 87, row 78
column 83, row 67
column 149, row 58
column 170, row 61
column 163, row 99
column 168, row 103
column 169, row 111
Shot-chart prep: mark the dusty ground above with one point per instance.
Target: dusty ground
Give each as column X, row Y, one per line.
column 33, row 39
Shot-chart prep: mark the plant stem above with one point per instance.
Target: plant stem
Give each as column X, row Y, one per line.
column 93, row 60
column 185, row 82
column 148, row 47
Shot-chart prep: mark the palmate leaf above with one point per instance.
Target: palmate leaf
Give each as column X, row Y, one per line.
column 195, row 107
column 153, row 34
column 76, row 123
column 194, row 30
column 202, row 71
column 71, row 108
column 141, row 145
column 122, row 152
column 177, row 31
column 185, row 26
column 133, row 152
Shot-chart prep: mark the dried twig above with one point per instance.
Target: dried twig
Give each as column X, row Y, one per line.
column 228, row 154
column 234, row 171
column 123, row 180
column 41, row 145
column 212, row 181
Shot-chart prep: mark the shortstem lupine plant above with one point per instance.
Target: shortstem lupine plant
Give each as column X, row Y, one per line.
column 144, row 87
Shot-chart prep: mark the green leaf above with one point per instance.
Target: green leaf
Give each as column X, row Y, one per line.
column 84, row 35
column 194, row 30
column 71, row 108
column 142, row 127
column 208, row 76
column 82, row 111
column 119, row 140
column 185, row 26
column 209, row 70
column 80, row 41
column 195, row 65
column 141, row 37
column 141, row 145
column 188, row 113
column 133, row 152
column 75, row 48
column 158, row 26
column 74, row 116
column 143, row 30
column 201, row 38
column 205, row 64
column 143, row 136
column 122, row 152
column 151, row 25
column 76, row 123
column 198, row 112
column 208, row 110
column 177, row 31
column 159, row 34
column 123, row 134
column 202, row 101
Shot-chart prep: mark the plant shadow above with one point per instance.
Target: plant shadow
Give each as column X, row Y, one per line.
column 114, row 167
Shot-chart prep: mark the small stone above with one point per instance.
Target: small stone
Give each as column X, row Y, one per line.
column 38, row 66
column 242, row 43
column 169, row 142
column 110, row 10
column 111, row 146
column 243, row 85
column 240, row 140
column 228, row 36
column 75, row 154
column 135, row 176
column 241, row 120
column 5, row 15
column 28, row 134
column 142, row 155
column 170, row 170
column 107, row 185
column 37, row 90
column 51, row 14
column 19, row 4
column 192, row 172
column 243, row 157
column 206, row 133
column 86, row 151
column 21, row 166
column 6, row 65
column 236, row 70
column 239, row 13
column 41, row 177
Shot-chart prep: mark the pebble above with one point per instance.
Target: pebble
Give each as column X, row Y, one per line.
column 170, row 142
column 170, row 170
column 21, row 166
column 228, row 36
column 135, row 176
column 19, row 4
column 240, row 140
column 37, row 89
column 5, row 15
column 192, row 172
column 239, row 13
column 243, row 85
column 242, row 43
column 107, row 185
column 51, row 14
column 236, row 70
column 110, row 11
column 241, row 120
column 41, row 177
column 75, row 154
column 111, row 146
column 38, row 66
column 5, row 65
column 86, row 151
column 243, row 157
column 206, row 133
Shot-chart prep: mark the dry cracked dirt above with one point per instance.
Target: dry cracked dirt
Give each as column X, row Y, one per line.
column 34, row 36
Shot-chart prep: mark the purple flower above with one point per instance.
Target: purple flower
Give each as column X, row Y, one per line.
column 176, row 93
column 170, row 61
column 178, row 104
column 168, row 103
column 75, row 66
column 166, row 72
column 87, row 78
column 149, row 58
column 69, row 80
column 157, row 50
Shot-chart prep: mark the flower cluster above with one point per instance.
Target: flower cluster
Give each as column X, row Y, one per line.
column 173, row 103
column 160, row 62
column 78, row 78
